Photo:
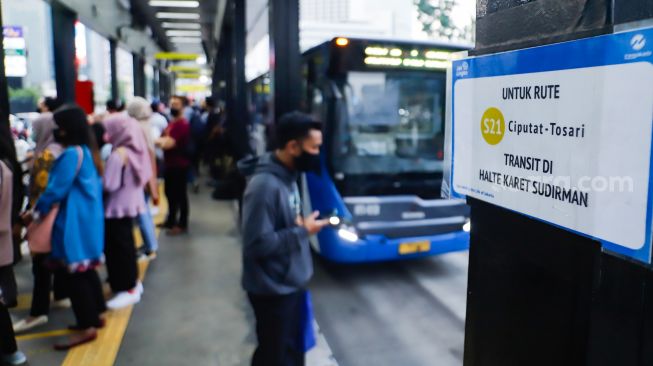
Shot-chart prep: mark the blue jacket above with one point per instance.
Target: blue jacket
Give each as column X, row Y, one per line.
column 276, row 253
column 78, row 232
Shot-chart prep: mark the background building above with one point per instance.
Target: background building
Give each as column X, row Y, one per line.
column 321, row 20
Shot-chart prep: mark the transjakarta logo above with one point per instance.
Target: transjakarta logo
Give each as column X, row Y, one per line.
column 462, row 70
column 638, row 42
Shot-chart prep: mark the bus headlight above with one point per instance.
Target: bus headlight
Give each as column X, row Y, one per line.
column 467, row 227
column 348, row 233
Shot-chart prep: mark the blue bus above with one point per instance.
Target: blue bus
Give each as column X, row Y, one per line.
column 383, row 108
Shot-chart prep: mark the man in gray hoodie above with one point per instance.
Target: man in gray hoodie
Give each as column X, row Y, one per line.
column 277, row 262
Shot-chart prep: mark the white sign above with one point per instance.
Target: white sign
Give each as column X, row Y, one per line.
column 562, row 133
column 550, row 145
column 15, row 51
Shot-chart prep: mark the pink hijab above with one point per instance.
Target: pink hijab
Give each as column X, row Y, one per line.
column 124, row 131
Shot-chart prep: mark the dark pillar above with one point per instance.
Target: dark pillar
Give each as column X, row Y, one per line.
column 164, row 83
column 5, row 130
column 537, row 294
column 156, row 93
column 222, row 66
column 113, row 61
column 217, row 72
column 4, row 90
column 139, row 75
column 228, row 51
column 63, row 35
column 285, row 73
column 238, row 124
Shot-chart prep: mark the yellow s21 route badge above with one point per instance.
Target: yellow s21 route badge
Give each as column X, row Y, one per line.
column 493, row 126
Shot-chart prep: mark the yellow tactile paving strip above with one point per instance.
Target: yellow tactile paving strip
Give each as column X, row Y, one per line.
column 104, row 350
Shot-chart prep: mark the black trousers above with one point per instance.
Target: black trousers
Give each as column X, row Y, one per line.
column 176, row 191
column 7, row 336
column 278, row 329
column 120, row 254
column 8, row 286
column 43, row 284
column 86, row 297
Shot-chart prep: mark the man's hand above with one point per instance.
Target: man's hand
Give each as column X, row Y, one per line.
column 165, row 143
column 313, row 225
column 27, row 217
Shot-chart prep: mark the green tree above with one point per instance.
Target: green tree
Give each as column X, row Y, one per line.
column 435, row 16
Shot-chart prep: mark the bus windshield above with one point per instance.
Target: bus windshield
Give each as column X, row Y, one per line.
column 394, row 124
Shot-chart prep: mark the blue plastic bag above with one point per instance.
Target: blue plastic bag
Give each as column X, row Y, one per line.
column 307, row 333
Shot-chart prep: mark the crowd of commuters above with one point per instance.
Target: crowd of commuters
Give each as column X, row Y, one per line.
column 91, row 182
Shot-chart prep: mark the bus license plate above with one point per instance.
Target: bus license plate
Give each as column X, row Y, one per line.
column 416, row 247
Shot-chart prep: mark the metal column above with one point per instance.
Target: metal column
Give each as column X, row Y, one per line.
column 538, row 294
column 285, row 74
column 63, row 35
column 4, row 89
column 238, row 126
column 227, row 52
column 164, row 82
column 113, row 61
column 221, row 67
column 156, row 93
column 139, row 75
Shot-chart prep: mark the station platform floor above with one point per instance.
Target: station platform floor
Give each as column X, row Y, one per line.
column 193, row 311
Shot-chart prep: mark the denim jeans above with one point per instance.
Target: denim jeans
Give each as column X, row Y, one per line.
column 146, row 225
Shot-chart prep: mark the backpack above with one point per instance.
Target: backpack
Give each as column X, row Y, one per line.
column 196, row 133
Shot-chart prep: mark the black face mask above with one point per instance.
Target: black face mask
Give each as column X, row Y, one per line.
column 307, row 162
column 175, row 112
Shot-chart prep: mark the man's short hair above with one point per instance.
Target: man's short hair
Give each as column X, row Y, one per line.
column 295, row 126
column 210, row 102
column 184, row 100
column 52, row 103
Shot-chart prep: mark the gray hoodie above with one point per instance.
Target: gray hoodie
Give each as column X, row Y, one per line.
column 276, row 254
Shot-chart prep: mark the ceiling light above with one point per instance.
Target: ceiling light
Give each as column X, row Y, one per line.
column 183, row 33
column 186, row 40
column 180, row 25
column 177, row 15
column 175, row 4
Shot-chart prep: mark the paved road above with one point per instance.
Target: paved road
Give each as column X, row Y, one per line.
column 403, row 313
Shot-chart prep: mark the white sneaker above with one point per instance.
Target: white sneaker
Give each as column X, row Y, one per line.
column 123, row 299
column 139, row 287
column 23, row 326
column 16, row 358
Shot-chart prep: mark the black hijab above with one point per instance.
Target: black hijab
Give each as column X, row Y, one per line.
column 72, row 126
column 73, row 130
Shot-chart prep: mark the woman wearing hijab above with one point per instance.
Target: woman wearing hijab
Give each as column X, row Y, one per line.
column 74, row 184
column 46, row 152
column 140, row 110
column 128, row 170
